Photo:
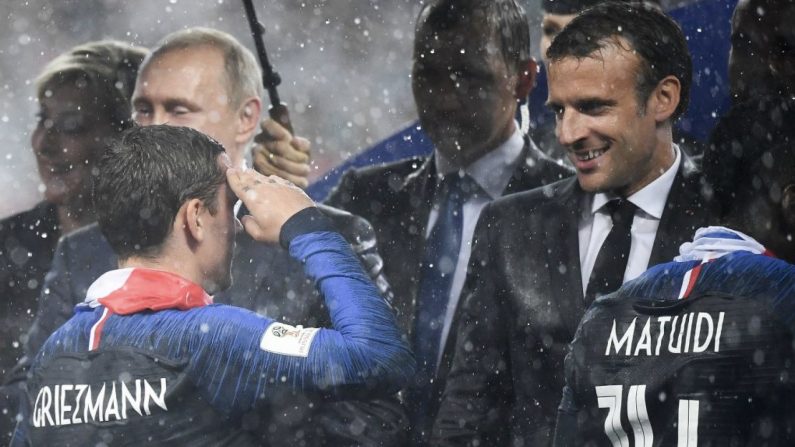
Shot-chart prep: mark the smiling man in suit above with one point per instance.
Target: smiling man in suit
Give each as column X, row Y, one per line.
column 541, row 257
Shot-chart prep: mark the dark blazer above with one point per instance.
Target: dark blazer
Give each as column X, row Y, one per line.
column 27, row 242
column 521, row 305
column 397, row 197
column 267, row 280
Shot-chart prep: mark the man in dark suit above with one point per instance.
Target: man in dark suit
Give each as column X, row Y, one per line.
column 179, row 84
column 471, row 66
column 542, row 256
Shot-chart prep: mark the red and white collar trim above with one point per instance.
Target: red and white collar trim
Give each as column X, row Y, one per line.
column 132, row 290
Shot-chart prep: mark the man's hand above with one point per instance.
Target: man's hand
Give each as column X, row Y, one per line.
column 277, row 152
column 270, row 200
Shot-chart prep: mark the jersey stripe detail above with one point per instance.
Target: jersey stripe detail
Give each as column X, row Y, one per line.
column 690, row 277
column 96, row 330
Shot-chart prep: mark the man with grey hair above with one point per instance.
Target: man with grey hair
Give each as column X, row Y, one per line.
column 205, row 79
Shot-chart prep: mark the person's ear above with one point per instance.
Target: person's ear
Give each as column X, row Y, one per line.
column 191, row 214
column 664, row 99
column 248, row 119
column 526, row 80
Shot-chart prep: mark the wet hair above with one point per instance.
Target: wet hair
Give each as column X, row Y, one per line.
column 654, row 37
column 242, row 74
column 505, row 20
column 566, row 7
column 106, row 70
column 143, row 179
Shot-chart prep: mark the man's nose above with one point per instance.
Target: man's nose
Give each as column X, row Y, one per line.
column 159, row 116
column 570, row 128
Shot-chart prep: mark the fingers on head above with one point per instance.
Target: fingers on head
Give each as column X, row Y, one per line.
column 252, row 228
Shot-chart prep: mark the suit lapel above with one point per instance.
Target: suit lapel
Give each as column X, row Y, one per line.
column 685, row 211
column 415, row 198
column 564, row 261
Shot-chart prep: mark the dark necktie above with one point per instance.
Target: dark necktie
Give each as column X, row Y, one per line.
column 611, row 262
column 436, row 279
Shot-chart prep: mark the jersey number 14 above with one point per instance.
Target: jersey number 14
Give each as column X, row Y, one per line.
column 611, row 397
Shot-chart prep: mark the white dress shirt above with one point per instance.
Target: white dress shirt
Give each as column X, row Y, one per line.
column 491, row 172
column 595, row 223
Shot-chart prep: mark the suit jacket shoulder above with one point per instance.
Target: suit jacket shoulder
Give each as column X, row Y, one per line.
column 365, row 191
column 536, row 169
column 529, row 201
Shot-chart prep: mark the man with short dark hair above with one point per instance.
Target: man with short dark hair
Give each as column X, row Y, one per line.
column 149, row 358
column 556, row 14
column 541, row 257
column 699, row 351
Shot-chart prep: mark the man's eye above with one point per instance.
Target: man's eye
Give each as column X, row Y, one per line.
column 557, row 110
column 592, row 109
column 180, row 111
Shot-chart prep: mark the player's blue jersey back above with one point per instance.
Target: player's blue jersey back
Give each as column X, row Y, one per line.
column 690, row 354
column 152, row 362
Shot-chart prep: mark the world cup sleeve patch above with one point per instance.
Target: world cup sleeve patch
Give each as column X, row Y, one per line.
column 284, row 339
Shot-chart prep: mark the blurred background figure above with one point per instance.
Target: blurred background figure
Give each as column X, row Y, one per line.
column 762, row 80
column 84, row 99
column 762, row 58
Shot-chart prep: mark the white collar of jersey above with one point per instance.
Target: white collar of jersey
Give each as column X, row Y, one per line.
column 714, row 242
